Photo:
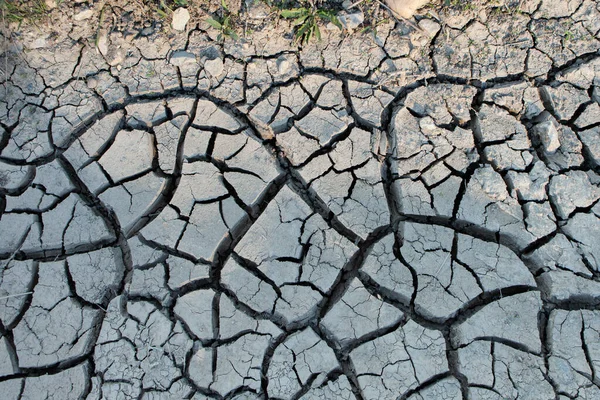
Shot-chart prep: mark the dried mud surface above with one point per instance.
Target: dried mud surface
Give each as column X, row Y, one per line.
column 411, row 216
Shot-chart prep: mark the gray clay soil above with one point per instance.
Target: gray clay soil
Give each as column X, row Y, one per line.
column 413, row 215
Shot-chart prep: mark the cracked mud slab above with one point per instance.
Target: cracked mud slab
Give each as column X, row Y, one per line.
column 415, row 216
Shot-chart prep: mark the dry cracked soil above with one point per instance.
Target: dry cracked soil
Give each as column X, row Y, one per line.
column 409, row 216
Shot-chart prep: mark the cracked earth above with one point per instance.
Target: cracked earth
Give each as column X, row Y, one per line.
column 415, row 216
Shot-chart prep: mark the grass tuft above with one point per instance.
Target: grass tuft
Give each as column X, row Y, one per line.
column 306, row 22
column 19, row 10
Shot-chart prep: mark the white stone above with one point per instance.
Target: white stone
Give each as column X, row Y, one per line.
column 181, row 16
column 405, row 8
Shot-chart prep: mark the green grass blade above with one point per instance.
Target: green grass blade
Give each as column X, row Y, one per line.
column 294, row 13
column 214, row 23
